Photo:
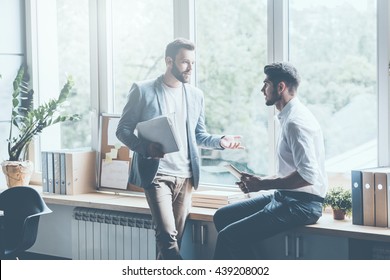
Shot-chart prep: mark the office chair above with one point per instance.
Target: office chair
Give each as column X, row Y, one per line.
column 22, row 207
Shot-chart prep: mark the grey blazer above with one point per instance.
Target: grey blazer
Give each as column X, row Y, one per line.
column 146, row 101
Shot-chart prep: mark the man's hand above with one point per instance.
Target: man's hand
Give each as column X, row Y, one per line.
column 231, row 142
column 155, row 150
column 250, row 183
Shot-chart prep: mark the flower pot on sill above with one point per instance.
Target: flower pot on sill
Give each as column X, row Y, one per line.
column 339, row 214
column 17, row 173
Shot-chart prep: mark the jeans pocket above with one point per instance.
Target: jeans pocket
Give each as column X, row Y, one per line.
column 156, row 180
column 306, row 212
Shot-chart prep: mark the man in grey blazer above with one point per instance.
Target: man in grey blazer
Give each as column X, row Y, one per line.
column 168, row 179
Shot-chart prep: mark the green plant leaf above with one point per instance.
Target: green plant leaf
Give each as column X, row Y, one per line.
column 28, row 121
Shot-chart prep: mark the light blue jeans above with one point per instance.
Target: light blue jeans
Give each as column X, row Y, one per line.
column 243, row 224
column 169, row 200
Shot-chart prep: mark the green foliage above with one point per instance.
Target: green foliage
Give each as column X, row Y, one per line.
column 28, row 121
column 339, row 198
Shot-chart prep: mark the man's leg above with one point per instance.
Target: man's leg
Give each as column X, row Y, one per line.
column 236, row 240
column 234, row 212
column 181, row 205
column 160, row 199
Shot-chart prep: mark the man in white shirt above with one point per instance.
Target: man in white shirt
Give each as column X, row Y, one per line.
column 300, row 184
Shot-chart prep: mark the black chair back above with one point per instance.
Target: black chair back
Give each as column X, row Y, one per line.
column 22, row 207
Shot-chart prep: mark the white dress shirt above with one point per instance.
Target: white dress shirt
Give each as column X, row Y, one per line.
column 301, row 147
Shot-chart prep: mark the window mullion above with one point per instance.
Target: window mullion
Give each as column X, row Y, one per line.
column 277, row 51
column 383, row 43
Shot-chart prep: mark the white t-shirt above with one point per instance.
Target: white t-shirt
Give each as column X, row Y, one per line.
column 301, row 147
column 177, row 163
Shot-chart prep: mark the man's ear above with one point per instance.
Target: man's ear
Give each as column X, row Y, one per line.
column 281, row 87
column 169, row 61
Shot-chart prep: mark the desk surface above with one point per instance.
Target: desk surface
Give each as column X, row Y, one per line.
column 137, row 204
column 125, row 203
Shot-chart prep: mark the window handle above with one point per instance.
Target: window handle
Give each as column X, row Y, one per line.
column 203, row 234
column 286, row 251
column 193, row 233
column 297, row 247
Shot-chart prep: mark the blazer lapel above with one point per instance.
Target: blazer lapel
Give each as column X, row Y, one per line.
column 190, row 106
column 160, row 95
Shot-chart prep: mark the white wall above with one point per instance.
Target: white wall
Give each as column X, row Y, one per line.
column 12, row 51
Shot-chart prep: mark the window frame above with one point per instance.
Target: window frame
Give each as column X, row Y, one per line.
column 101, row 61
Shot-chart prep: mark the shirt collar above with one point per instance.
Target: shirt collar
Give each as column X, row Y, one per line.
column 287, row 109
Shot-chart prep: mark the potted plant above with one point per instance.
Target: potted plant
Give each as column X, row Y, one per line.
column 340, row 200
column 27, row 122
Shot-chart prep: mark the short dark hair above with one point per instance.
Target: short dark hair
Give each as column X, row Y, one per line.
column 283, row 72
column 179, row 43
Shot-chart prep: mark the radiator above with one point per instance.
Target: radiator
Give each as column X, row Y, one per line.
column 112, row 235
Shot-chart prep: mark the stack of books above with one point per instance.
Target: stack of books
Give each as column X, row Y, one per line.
column 216, row 198
column 371, row 197
column 68, row 171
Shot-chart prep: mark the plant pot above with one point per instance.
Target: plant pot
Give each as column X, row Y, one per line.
column 17, row 173
column 339, row 214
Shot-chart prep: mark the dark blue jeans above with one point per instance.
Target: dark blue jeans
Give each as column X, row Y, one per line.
column 245, row 223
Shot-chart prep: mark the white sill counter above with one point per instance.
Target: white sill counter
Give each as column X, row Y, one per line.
column 137, row 204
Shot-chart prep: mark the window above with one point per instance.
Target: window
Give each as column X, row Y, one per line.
column 141, row 30
column 108, row 45
column 74, row 60
column 231, row 48
column 62, row 49
column 333, row 44
column 58, row 47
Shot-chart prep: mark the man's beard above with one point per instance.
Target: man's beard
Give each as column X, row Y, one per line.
column 274, row 98
column 178, row 75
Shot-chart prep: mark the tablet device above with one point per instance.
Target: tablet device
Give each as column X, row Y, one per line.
column 234, row 171
column 159, row 130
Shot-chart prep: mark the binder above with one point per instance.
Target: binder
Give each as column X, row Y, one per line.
column 56, row 171
column 50, row 172
column 381, row 207
column 357, row 197
column 45, row 183
column 388, row 200
column 80, row 171
column 159, row 130
column 62, row 173
column 368, row 197
column 375, row 196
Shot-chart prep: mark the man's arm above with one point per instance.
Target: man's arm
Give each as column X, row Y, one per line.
column 130, row 117
column 252, row 183
column 206, row 140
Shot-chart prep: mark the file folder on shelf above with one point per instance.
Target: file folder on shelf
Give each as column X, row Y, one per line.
column 388, row 201
column 375, row 202
column 62, row 173
column 381, row 207
column 56, row 170
column 45, row 181
column 50, row 172
column 368, row 195
column 357, row 197
column 80, row 171
column 69, row 171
